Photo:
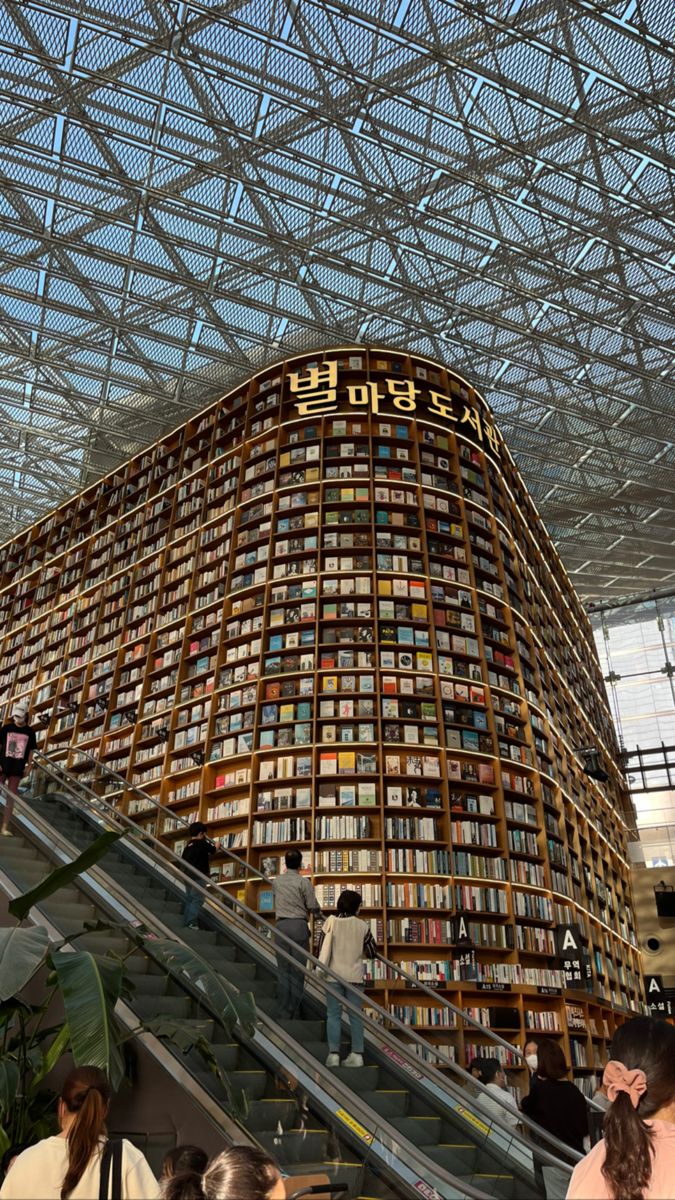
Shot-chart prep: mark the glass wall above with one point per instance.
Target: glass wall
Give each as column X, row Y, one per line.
column 636, row 645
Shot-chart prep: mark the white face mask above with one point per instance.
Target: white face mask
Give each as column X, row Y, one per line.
column 532, row 1061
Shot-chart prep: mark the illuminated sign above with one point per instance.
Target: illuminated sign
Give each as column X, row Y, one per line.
column 317, row 392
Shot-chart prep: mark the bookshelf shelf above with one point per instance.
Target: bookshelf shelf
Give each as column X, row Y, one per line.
column 349, row 607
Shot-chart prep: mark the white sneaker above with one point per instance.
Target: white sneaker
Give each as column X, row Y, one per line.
column 333, row 1060
column 353, row 1060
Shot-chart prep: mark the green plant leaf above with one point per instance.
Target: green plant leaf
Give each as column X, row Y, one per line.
column 182, row 1032
column 50, row 1057
column 62, row 876
column 90, row 987
column 22, row 953
column 9, row 1084
column 234, row 1007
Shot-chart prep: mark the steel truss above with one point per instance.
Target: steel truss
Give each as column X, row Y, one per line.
column 191, row 190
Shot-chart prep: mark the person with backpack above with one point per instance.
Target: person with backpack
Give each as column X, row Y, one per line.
column 80, row 1162
column 345, row 941
column 17, row 743
column 197, row 854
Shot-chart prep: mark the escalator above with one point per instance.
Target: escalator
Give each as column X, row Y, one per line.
column 393, row 1128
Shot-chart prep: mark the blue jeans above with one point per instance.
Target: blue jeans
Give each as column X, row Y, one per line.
column 334, row 1018
column 192, row 906
column 291, row 981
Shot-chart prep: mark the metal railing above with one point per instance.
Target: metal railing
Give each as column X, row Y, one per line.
column 452, row 1186
column 263, row 930
column 395, row 968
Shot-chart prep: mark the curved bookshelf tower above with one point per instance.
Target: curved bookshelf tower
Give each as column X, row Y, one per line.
column 325, row 613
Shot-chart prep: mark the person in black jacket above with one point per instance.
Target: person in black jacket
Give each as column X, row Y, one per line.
column 197, row 854
column 558, row 1106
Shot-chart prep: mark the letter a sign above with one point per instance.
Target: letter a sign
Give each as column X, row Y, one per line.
column 570, row 950
column 659, row 1003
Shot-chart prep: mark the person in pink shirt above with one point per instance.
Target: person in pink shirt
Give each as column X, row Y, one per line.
column 636, row 1158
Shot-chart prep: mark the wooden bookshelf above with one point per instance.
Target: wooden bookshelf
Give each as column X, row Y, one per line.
column 326, row 613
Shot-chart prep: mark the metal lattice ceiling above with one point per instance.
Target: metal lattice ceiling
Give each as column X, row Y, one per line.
column 191, row 190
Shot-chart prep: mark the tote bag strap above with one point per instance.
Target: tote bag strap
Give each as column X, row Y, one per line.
column 111, row 1155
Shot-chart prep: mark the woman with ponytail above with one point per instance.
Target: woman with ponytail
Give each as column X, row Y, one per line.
column 636, row 1158
column 240, row 1173
column 69, row 1165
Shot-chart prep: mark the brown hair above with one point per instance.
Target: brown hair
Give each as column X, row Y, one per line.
column 184, row 1158
column 86, row 1094
column 240, row 1173
column 550, row 1060
column 649, row 1045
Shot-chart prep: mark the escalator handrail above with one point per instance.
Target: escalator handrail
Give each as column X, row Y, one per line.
column 131, row 787
column 395, row 968
column 468, row 1191
column 311, row 976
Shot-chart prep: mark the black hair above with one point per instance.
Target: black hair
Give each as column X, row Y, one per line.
column 196, row 827
column 648, row 1045
column 487, row 1068
column 244, row 1172
column 293, row 859
column 349, row 903
column 551, row 1062
column 184, row 1158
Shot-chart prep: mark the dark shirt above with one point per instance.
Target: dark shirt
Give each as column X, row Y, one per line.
column 16, row 743
column 198, row 852
column 558, row 1106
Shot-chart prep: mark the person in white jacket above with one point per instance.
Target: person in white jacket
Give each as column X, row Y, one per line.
column 345, row 941
column 69, row 1165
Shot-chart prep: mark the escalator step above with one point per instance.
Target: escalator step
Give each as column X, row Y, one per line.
column 421, row 1131
column 304, row 1031
column 240, row 974
column 295, row 1146
column 172, row 1006
column 202, row 937
column 253, row 1083
column 359, row 1079
column 492, row 1185
column 232, row 1056
column 387, row 1103
column 458, row 1159
column 338, row 1171
column 104, row 943
column 269, row 1114
column 149, row 985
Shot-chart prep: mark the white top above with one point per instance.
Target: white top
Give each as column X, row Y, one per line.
column 509, row 1114
column 40, row 1170
column 343, row 947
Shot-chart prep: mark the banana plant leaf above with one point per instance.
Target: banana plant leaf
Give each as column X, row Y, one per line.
column 234, row 1007
column 183, row 1033
column 90, row 988
column 188, row 1035
column 50, row 1057
column 9, row 1085
column 22, row 953
column 62, row 876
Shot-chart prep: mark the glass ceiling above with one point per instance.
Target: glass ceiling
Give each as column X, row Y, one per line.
column 191, row 190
